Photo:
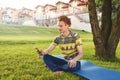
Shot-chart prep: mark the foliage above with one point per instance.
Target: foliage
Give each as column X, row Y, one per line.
column 99, row 4
column 115, row 5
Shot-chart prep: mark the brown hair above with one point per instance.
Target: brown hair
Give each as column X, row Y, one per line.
column 65, row 19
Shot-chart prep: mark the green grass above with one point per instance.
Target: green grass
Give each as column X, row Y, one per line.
column 19, row 61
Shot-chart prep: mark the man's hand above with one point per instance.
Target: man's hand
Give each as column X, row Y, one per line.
column 40, row 52
column 72, row 63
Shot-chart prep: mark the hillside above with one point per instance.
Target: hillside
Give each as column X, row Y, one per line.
column 17, row 32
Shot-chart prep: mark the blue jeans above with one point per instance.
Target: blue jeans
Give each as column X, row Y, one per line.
column 57, row 64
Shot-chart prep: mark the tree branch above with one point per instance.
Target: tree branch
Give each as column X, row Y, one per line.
column 93, row 17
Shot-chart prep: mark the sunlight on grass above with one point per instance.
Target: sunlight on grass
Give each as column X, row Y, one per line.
column 26, row 38
column 19, row 61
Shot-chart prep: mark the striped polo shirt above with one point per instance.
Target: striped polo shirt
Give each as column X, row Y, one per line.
column 68, row 45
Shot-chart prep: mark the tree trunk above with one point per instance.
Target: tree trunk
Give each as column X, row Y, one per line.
column 107, row 37
column 106, row 20
column 114, row 37
column 106, row 26
column 97, row 38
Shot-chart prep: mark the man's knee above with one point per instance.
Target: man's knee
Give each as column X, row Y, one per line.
column 46, row 57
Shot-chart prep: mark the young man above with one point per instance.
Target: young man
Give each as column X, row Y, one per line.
column 71, row 46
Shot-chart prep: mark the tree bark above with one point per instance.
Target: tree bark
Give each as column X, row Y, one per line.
column 114, row 37
column 106, row 26
column 97, row 38
column 106, row 20
column 106, row 37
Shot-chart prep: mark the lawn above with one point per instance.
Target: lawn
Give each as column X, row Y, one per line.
column 19, row 61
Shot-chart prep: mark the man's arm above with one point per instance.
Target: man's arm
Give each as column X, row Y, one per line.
column 72, row 63
column 49, row 49
column 80, row 53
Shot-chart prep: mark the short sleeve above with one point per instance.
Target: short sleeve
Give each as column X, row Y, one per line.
column 55, row 41
column 78, row 40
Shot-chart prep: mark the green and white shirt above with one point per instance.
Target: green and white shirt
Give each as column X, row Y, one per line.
column 68, row 44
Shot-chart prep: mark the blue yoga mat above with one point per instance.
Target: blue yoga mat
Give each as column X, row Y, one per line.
column 94, row 72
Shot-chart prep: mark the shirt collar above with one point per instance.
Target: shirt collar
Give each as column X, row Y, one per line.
column 69, row 35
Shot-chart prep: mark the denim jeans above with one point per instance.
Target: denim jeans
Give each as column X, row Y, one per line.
column 57, row 64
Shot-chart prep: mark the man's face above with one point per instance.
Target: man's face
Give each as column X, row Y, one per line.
column 62, row 26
